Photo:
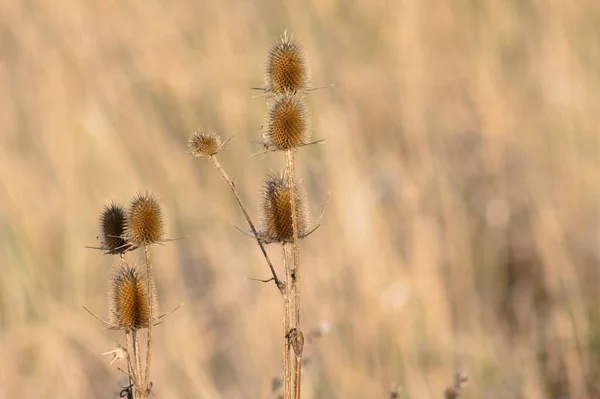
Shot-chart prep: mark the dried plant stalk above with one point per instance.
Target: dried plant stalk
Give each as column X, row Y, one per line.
column 295, row 275
column 233, row 189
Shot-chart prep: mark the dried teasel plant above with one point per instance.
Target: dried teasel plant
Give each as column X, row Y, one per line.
column 287, row 124
column 145, row 224
column 132, row 295
column 276, row 211
column 286, row 69
column 204, row 143
column 112, row 229
column 284, row 209
column 129, row 299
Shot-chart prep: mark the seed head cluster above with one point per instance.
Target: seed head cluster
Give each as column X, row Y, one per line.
column 128, row 300
column 287, row 123
column 205, row 142
column 277, row 211
column 286, row 67
column 144, row 220
column 112, row 228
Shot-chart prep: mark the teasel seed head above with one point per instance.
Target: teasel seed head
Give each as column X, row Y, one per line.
column 204, row 142
column 277, row 211
column 128, row 300
column 144, row 220
column 112, row 229
column 287, row 124
column 286, row 67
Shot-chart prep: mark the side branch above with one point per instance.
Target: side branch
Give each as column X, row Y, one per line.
column 231, row 185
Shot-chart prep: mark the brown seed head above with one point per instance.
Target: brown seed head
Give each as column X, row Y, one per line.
column 204, row 142
column 144, row 220
column 287, row 123
column 277, row 211
column 112, row 228
column 286, row 68
column 128, row 300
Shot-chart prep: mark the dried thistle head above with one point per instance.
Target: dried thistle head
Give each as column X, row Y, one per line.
column 277, row 211
column 204, row 142
column 112, row 229
column 144, row 220
column 128, row 299
column 286, row 67
column 287, row 124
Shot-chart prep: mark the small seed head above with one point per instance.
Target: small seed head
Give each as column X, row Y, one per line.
column 277, row 211
column 112, row 229
column 204, row 142
column 286, row 67
column 128, row 300
column 144, row 220
column 287, row 123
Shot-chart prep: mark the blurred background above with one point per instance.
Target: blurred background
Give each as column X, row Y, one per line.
column 462, row 158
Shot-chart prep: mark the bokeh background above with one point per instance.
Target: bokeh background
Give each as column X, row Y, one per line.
column 460, row 170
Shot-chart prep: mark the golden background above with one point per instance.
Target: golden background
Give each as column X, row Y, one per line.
column 461, row 174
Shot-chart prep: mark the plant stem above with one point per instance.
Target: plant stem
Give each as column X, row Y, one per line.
column 138, row 364
column 131, row 362
column 287, row 366
column 231, row 185
column 150, row 282
column 295, row 275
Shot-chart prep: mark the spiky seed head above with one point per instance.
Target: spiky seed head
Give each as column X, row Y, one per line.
column 144, row 220
column 128, row 300
column 112, row 229
column 286, row 67
column 277, row 210
column 287, row 123
column 204, row 142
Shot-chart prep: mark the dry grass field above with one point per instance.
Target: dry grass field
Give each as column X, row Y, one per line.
column 461, row 172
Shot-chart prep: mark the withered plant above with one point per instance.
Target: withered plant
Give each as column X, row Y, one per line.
column 132, row 299
column 284, row 209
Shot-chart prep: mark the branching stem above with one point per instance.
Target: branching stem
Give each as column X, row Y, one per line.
column 231, row 185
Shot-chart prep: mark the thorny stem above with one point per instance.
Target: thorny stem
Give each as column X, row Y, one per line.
column 131, row 361
column 231, row 185
column 150, row 282
column 295, row 280
column 138, row 363
column 287, row 366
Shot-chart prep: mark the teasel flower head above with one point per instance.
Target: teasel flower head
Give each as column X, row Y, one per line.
column 204, row 142
column 277, row 211
column 129, row 300
column 145, row 224
column 112, row 229
column 286, row 66
column 287, row 124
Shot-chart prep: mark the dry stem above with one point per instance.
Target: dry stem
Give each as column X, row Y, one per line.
column 150, row 282
column 287, row 370
column 131, row 360
column 231, row 185
column 295, row 276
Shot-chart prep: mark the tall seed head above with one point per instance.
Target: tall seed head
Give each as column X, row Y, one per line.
column 287, row 123
column 144, row 220
column 128, row 299
column 286, row 68
column 277, row 211
column 204, row 142
column 112, row 229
